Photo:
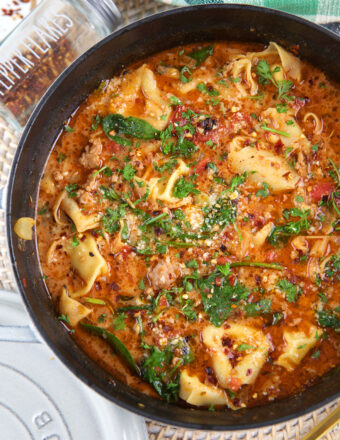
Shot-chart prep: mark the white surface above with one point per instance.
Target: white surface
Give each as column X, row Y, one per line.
column 40, row 399
column 8, row 23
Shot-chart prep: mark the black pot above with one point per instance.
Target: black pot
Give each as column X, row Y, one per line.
column 153, row 34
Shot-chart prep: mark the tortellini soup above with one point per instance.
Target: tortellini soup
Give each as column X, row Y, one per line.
column 188, row 225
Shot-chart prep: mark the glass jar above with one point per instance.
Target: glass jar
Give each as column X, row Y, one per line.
column 41, row 47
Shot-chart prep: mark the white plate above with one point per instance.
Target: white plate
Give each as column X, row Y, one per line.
column 40, row 399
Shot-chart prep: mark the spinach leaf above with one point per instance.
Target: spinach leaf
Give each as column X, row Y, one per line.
column 131, row 126
column 115, row 343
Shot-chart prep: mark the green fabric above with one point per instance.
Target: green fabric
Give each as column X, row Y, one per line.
column 321, row 11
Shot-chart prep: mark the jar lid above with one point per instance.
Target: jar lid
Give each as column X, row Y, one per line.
column 40, row 398
column 108, row 11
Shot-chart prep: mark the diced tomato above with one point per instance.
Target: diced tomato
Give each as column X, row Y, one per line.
column 200, row 166
column 177, row 115
column 113, row 147
column 241, row 121
column 299, row 103
column 223, row 259
column 213, row 136
column 126, row 250
column 235, row 383
column 278, row 147
column 321, row 189
column 271, row 255
column 162, row 301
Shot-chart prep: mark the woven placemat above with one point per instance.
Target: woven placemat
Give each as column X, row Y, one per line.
column 295, row 429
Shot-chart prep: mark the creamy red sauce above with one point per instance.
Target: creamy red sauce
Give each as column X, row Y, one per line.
column 240, row 167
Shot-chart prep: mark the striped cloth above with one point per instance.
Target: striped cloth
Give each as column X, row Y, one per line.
column 321, row 11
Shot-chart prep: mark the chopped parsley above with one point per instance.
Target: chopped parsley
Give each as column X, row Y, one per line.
column 281, row 233
column 222, row 213
column 266, row 76
column 273, row 130
column 220, row 297
column 119, row 322
column 185, row 75
column 245, row 347
column 208, row 90
column 263, row 192
column 201, row 55
column 109, row 193
column 175, row 101
column 183, row 188
column 328, row 319
column 71, row 189
column 64, row 318
column 75, row 241
column 128, row 172
column 110, row 220
column 258, row 308
column 291, row 291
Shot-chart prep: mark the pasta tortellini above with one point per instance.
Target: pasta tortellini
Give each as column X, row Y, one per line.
column 262, row 166
column 291, row 65
column 162, row 190
column 71, row 208
column 87, row 261
column 196, row 393
column 294, row 135
column 238, row 66
column 297, row 346
column 245, row 371
column 142, row 81
column 72, row 308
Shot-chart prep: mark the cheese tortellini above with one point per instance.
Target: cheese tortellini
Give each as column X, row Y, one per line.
column 245, row 339
column 162, row 190
column 89, row 264
column 71, row 208
column 73, row 309
column 297, row 346
column 141, row 83
column 262, row 166
column 196, row 393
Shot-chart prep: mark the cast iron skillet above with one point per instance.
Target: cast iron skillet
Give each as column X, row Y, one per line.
column 153, row 34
